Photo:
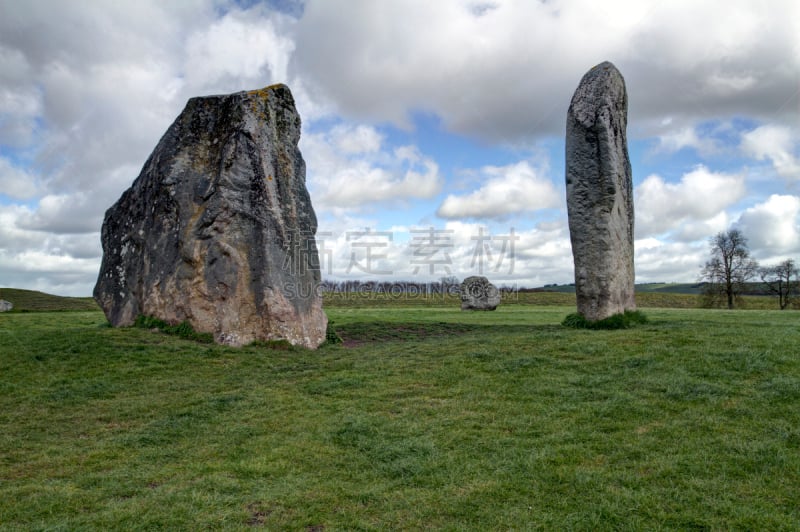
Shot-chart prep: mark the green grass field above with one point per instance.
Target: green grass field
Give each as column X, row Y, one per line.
column 424, row 418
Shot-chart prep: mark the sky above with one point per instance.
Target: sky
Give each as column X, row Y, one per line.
column 433, row 132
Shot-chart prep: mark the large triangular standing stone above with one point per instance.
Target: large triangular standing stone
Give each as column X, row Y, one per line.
column 218, row 229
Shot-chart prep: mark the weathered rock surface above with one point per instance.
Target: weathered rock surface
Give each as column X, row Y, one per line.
column 477, row 293
column 218, row 229
column 5, row 306
column 600, row 194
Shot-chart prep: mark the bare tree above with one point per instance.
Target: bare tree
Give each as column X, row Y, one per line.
column 730, row 267
column 782, row 281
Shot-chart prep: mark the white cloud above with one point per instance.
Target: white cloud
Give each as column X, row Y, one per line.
column 239, row 47
column 56, row 263
column 700, row 197
column 352, row 140
column 776, row 143
column 62, row 214
column 685, row 137
column 15, row 182
column 508, row 72
column 772, row 227
column 14, row 65
column 660, row 261
column 52, row 272
column 728, row 84
column 508, row 190
column 348, row 169
column 20, row 102
column 13, row 238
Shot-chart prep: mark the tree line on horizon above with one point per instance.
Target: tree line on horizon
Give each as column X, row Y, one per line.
column 730, row 271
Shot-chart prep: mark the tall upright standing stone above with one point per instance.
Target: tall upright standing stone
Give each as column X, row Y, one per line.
column 218, row 229
column 600, row 194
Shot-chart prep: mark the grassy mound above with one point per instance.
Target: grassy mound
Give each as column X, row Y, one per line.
column 34, row 301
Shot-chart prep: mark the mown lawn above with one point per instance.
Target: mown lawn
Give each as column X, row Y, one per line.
column 426, row 418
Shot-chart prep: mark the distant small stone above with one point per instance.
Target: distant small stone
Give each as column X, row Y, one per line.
column 5, row 306
column 477, row 293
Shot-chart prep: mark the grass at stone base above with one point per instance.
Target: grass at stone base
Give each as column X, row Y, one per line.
column 183, row 330
column 432, row 418
column 622, row 320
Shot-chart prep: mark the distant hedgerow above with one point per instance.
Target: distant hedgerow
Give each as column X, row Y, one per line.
column 183, row 329
column 624, row 320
